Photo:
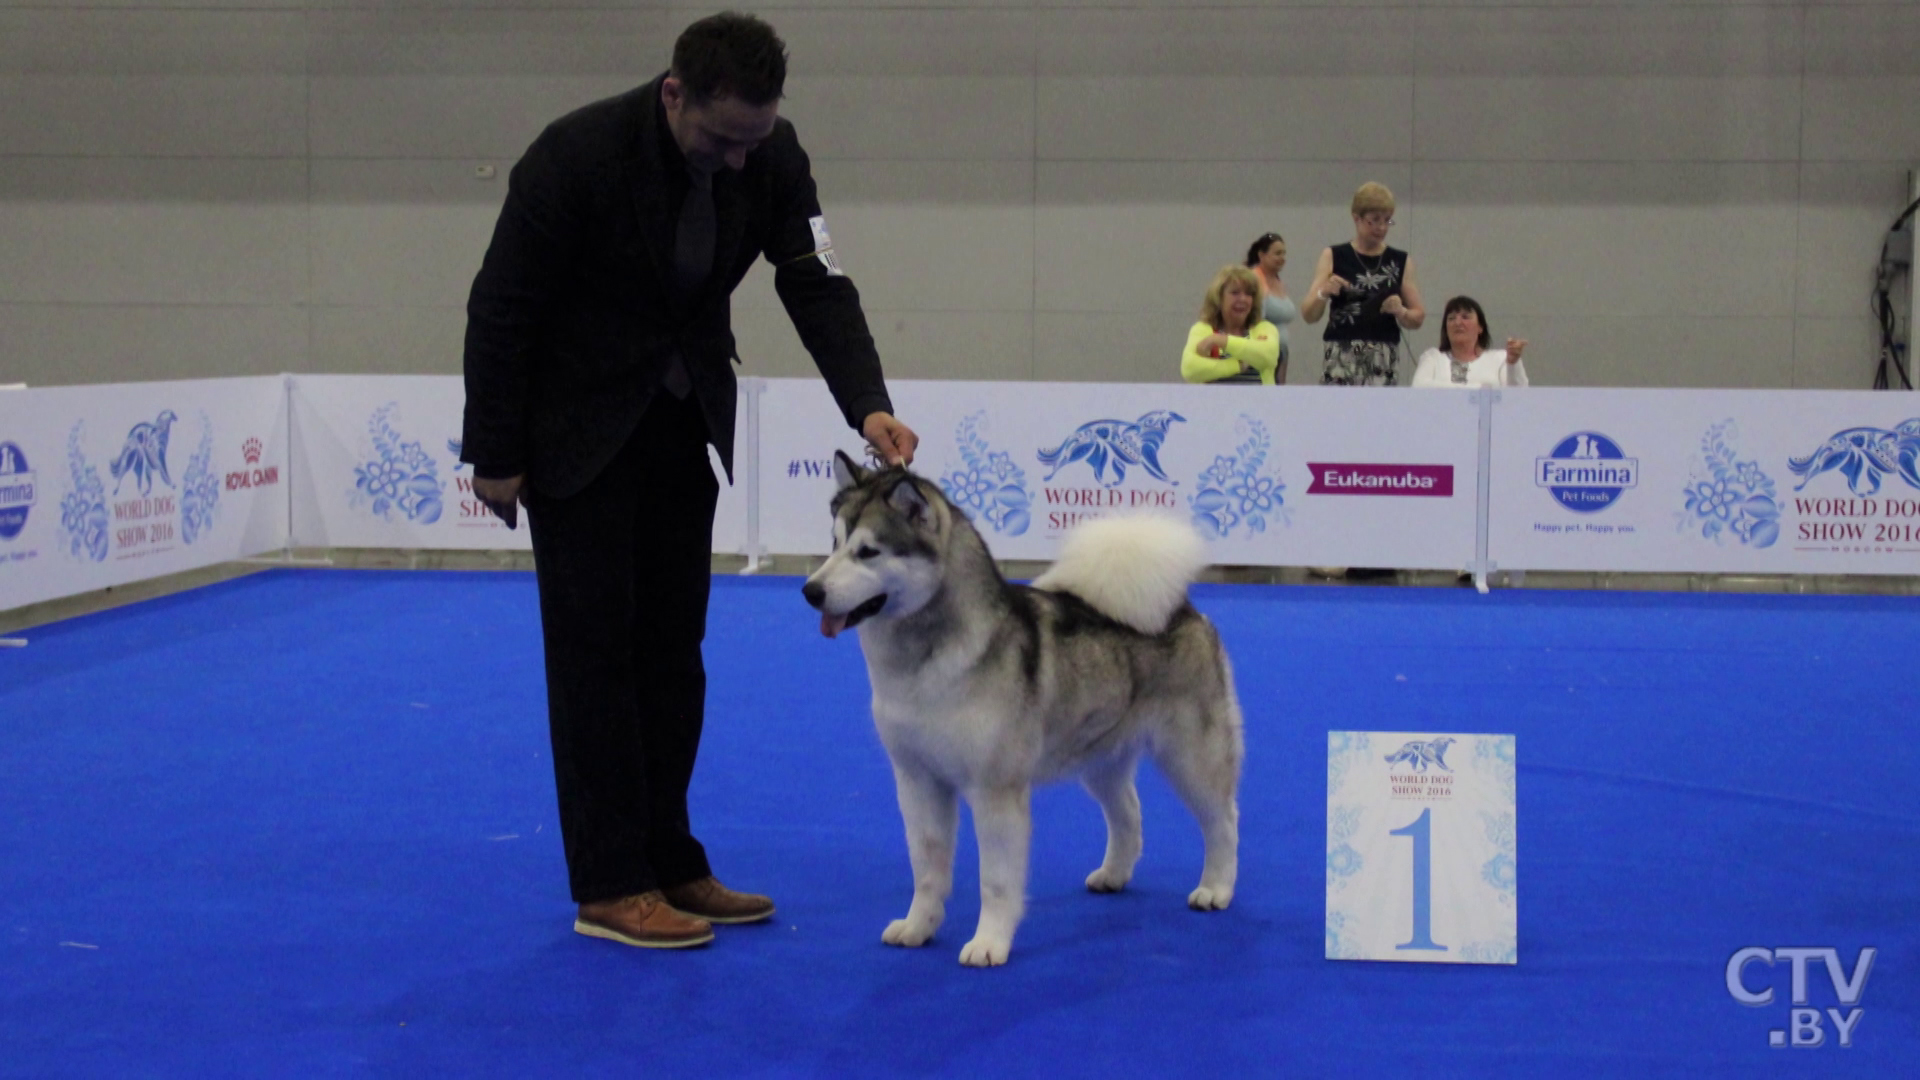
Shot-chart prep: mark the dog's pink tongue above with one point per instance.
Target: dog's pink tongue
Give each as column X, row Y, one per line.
column 831, row 625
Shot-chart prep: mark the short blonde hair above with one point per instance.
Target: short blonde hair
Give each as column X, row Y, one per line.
column 1372, row 197
column 1210, row 307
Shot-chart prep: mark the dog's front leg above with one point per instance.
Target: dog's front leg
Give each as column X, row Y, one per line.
column 931, row 811
column 1003, row 823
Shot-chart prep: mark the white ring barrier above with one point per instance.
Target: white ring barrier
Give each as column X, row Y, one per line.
column 104, row 485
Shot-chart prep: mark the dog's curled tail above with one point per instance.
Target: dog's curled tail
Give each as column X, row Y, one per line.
column 1134, row 570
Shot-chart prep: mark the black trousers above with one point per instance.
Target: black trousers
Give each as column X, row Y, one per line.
column 623, row 568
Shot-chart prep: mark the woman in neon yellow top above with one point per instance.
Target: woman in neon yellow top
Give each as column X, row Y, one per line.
column 1230, row 344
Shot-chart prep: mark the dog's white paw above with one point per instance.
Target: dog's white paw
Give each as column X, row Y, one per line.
column 1210, row 898
column 910, row 932
column 1105, row 880
column 983, row 951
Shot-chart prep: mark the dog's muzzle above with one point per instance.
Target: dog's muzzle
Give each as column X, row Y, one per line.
column 831, row 624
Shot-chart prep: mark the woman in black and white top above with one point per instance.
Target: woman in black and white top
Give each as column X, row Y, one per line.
column 1463, row 358
column 1367, row 289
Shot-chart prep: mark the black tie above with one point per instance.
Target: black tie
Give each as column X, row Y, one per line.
column 692, row 260
column 693, row 243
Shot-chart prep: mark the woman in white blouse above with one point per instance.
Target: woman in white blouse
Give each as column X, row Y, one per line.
column 1463, row 358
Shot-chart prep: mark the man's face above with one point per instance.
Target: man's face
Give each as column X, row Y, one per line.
column 720, row 132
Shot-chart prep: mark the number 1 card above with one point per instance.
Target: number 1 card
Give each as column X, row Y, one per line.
column 1421, row 848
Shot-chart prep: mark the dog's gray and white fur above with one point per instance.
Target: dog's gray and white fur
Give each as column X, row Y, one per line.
column 982, row 688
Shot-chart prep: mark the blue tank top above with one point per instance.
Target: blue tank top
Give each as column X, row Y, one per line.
column 1279, row 311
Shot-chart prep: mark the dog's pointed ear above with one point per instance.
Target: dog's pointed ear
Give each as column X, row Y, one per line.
column 907, row 499
column 845, row 472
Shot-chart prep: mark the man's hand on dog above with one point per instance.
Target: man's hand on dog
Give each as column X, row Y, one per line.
column 894, row 441
column 501, row 496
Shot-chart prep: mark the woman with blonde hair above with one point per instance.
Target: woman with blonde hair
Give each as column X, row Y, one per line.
column 1231, row 343
column 1369, row 290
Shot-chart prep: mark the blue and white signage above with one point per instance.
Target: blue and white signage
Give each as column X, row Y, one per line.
column 377, row 465
column 16, row 490
column 1586, row 472
column 1710, row 481
column 1422, row 848
column 1255, row 473
column 107, row 484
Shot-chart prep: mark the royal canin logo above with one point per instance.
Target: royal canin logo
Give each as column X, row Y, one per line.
column 1375, row 479
column 253, row 476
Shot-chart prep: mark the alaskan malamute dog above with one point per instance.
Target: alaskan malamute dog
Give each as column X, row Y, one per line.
column 981, row 689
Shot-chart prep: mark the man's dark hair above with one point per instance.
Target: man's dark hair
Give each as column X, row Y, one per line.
column 731, row 55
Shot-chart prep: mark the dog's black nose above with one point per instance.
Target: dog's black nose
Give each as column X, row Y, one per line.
column 815, row 593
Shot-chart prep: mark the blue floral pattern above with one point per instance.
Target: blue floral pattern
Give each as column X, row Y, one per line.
column 1343, row 749
column 1501, row 871
column 402, row 477
column 1505, row 951
column 1493, row 756
column 1727, row 496
column 1342, row 860
column 1339, row 945
column 199, row 488
column 1233, row 492
column 83, row 511
column 990, row 487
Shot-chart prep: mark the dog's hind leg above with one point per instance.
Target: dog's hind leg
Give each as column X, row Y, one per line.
column 1003, row 823
column 1110, row 782
column 1203, row 762
column 931, row 809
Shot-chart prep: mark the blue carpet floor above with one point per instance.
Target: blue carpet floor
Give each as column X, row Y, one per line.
column 302, row 824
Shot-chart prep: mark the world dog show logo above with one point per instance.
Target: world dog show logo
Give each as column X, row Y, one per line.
column 1867, row 522
column 1421, row 770
column 16, row 490
column 1108, row 446
column 1586, row 472
column 254, row 475
column 144, row 524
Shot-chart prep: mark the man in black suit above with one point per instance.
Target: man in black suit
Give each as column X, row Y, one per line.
column 598, row 368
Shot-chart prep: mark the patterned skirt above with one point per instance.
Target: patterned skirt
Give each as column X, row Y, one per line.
column 1359, row 363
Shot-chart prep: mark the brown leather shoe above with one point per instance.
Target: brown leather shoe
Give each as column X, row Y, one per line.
column 708, row 899
column 645, row 920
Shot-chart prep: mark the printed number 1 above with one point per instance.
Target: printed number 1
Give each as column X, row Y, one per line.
column 1421, row 832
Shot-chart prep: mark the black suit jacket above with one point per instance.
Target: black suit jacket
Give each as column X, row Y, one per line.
column 573, row 322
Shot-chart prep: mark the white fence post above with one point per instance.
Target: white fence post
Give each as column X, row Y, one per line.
column 285, row 558
column 1483, row 399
